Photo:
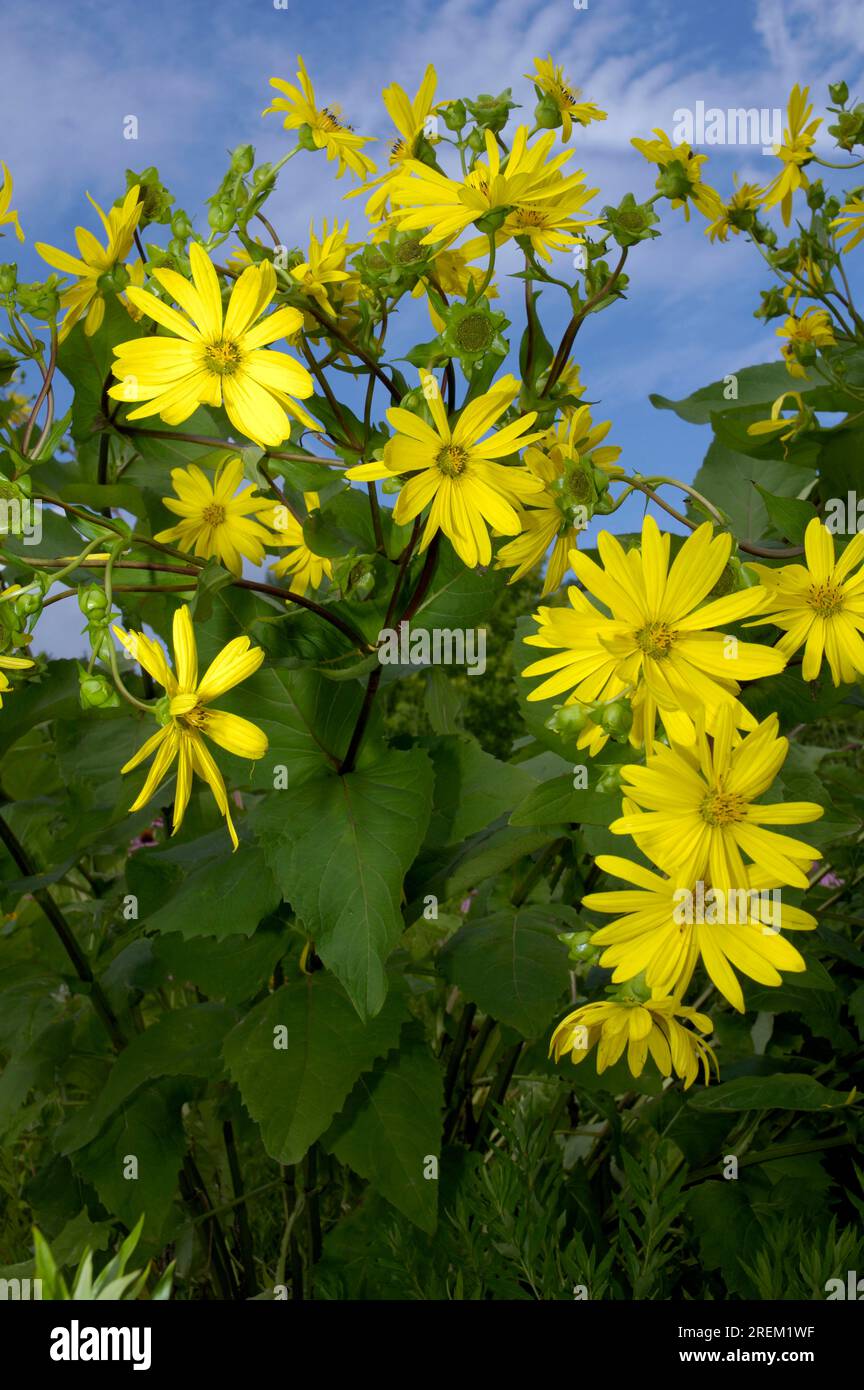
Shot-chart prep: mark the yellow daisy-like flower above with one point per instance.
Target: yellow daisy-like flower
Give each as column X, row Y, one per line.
column 650, row 933
column 424, row 198
column 326, row 130
column 189, row 717
column 784, row 428
column 409, row 117
column 736, row 214
column 694, row 811
column 456, row 471
column 663, row 153
column 85, row 300
column 657, row 647
column 215, row 359
column 304, row 568
column 812, row 330
column 326, row 264
column 217, row 520
column 563, row 460
column 642, row 1027
column 849, row 220
column 7, row 212
column 794, row 153
column 11, row 663
column 820, row 605
column 549, row 79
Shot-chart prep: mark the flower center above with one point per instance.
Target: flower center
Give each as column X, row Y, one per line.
column 410, row 251
column 222, row 358
column 722, row 808
column 825, row 599
column 213, row 514
column 530, row 217
column 452, row 460
column 474, row 333
column 656, row 640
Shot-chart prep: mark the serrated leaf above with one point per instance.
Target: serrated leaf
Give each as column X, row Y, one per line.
column 512, row 964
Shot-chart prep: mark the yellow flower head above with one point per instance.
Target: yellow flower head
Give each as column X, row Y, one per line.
column 456, row 470
column 694, row 810
column 820, row 605
column 563, row 459
column 529, row 182
column 409, row 117
column 549, row 78
column 784, row 428
column 692, row 188
column 656, row 647
column 642, row 1027
column 794, row 153
column 303, row 567
column 663, row 927
column 326, row 264
column 215, row 359
column 217, row 520
column 189, row 717
column 7, row 212
column 736, row 214
column 805, row 334
column 11, row 663
column 326, row 129
column 85, row 299
column 850, row 221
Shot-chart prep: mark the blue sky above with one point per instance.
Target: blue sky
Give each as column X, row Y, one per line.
column 196, row 77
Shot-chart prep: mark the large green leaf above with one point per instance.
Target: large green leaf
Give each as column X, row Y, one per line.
column 390, row 1129
column 293, row 1091
column 472, row 789
column 792, row 1091
column 512, row 964
column 340, row 847
column 227, row 895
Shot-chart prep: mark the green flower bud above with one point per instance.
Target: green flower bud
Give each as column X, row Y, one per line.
column 839, row 92
column 816, row 195
column 630, row 222
column 616, row 719
column 475, row 140
column 492, row 112
column 95, row 691
column 773, row 305
column 181, row 226
column 242, row 159
column 177, row 248
column 454, row 115
column 8, row 278
column 221, row 217
column 306, row 140
column 92, row 601
column 609, row 781
column 569, row 720
column 490, row 222
column 113, row 281
column 262, row 174
column 674, row 181
column 472, row 330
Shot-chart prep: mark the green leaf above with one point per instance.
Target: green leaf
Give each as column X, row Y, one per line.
column 294, row 1091
column 790, row 515
column 727, row 477
column 512, row 964
column 186, row 1042
column 472, row 789
column 792, row 1091
column 558, row 800
column 755, row 386
column 211, row 579
column 340, row 851
column 227, row 895
column 390, row 1129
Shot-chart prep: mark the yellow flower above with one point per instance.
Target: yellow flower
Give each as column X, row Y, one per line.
column 656, row 646
column 215, row 521
column 424, row 198
column 326, row 264
column 663, row 153
column 784, row 428
column 326, row 129
column 811, row 331
column 820, row 605
column 794, row 153
column 20, row 408
column 736, row 214
column 652, row 934
column 7, row 212
column 550, row 79
column 560, row 459
column 693, row 810
column 212, row 360
column 642, row 1026
column 456, row 470
column 189, row 717
column 850, row 219
column 409, row 117
column 85, row 299
column 11, row 663
column 304, row 568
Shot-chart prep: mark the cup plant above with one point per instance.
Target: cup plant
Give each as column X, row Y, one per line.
column 304, row 928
